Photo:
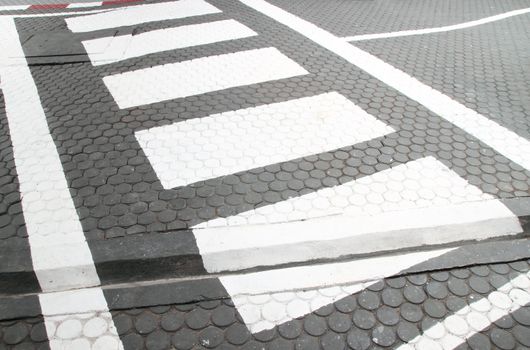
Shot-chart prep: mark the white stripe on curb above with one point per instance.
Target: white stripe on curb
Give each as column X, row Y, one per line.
column 433, row 206
column 455, row 329
column 198, row 76
column 504, row 141
column 140, row 14
column 438, row 29
column 269, row 298
column 123, row 47
column 226, row 143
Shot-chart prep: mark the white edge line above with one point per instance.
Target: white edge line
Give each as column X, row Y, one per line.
column 438, row 29
column 502, row 140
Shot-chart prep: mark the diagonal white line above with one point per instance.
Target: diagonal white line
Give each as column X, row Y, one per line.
column 504, row 141
column 478, row 316
column 438, row 29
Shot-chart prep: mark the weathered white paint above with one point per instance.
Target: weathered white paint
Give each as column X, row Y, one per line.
column 438, row 29
column 123, row 47
column 438, row 209
column 226, row 143
column 79, row 319
column 269, row 298
column 504, row 141
column 198, row 76
column 60, row 254
column 133, row 15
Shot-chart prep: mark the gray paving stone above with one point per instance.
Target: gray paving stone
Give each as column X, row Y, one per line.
column 364, row 319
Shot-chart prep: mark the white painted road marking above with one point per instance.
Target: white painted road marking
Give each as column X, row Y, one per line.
column 476, row 317
column 226, row 143
column 504, row 141
column 123, row 47
column 60, row 254
column 79, row 319
column 430, row 205
column 140, row 14
column 438, row 29
column 268, row 286
column 84, row 4
column 198, row 76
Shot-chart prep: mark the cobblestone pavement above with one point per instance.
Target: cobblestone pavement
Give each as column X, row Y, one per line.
column 258, row 146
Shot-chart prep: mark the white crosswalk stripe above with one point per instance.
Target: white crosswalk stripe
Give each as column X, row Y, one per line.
column 113, row 49
column 418, row 203
column 428, row 204
column 226, row 143
column 140, row 14
column 198, row 76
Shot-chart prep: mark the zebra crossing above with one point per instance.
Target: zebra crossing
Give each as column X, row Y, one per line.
column 417, row 203
column 420, row 202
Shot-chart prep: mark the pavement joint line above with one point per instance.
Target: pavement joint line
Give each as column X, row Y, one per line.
column 287, row 232
column 448, row 28
column 502, row 140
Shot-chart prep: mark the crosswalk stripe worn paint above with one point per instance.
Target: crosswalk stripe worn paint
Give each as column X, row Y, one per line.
column 140, row 14
column 114, row 49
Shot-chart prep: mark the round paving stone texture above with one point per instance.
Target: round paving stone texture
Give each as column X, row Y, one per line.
column 211, row 337
column 15, row 334
column 479, row 341
column 364, row 319
column 384, row 336
column 172, row 321
column 339, row 322
column 503, row 339
column 237, row 334
column 158, row 340
column 407, row 331
column 315, row 325
column 392, row 297
column 197, row 319
column 358, row 339
column 368, row 300
column 414, row 294
column 291, row 329
column 223, row 316
column 435, row 308
column 332, row 341
column 145, row 323
column 411, row 312
column 387, row 315
column 184, row 339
